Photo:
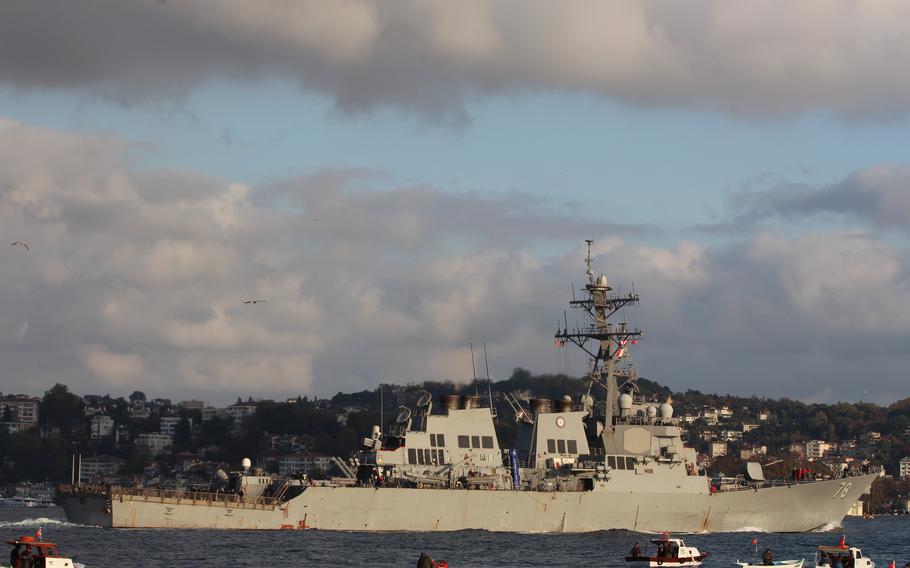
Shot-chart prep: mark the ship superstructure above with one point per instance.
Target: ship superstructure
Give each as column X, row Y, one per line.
column 612, row 459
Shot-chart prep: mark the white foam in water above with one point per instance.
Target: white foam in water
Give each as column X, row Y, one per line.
column 826, row 528
column 748, row 530
column 39, row 522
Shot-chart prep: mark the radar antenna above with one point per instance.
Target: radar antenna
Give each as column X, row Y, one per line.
column 611, row 340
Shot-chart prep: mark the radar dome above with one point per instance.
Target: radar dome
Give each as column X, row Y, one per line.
column 602, row 279
column 246, row 463
column 652, row 411
column 625, row 401
column 666, row 410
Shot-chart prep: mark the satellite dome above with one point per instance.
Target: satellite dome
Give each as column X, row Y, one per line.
column 246, row 463
column 652, row 411
column 602, row 279
column 625, row 401
column 666, row 410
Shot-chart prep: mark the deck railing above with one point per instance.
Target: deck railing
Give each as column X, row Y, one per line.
column 194, row 497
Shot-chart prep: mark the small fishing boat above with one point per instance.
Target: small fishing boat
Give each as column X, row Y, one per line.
column 780, row 563
column 31, row 551
column 841, row 556
column 671, row 552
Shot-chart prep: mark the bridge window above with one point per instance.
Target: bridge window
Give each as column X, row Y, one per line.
column 412, row 456
column 433, row 440
column 611, row 461
column 630, row 463
column 572, row 446
column 426, row 457
column 487, row 441
column 440, row 456
column 475, row 441
column 420, row 457
column 551, row 446
column 463, row 442
column 441, row 440
column 620, row 462
column 561, row 445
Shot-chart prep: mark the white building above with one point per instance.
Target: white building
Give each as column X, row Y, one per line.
column 709, row 415
column 731, row 435
column 904, row 468
column 103, row 466
column 210, row 412
column 816, row 449
column 156, row 442
column 102, row 426
column 19, row 412
column 718, row 449
column 169, row 425
column 747, row 427
column 241, row 410
column 751, row 452
column 308, row 463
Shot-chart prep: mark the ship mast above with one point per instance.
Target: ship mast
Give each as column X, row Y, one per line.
column 610, row 339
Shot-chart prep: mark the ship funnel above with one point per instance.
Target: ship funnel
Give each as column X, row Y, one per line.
column 565, row 405
column 540, row 405
column 450, row 401
column 470, row 401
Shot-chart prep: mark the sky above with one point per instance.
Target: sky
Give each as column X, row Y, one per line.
column 398, row 180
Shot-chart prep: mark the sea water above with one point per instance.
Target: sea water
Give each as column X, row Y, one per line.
column 882, row 538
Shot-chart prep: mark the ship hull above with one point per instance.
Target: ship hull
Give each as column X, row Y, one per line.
column 791, row 508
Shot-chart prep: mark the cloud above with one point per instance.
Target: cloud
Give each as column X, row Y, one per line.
column 138, row 276
column 768, row 58
column 135, row 279
column 876, row 195
column 114, row 368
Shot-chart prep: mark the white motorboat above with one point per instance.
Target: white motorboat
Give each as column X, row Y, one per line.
column 841, row 556
column 671, row 552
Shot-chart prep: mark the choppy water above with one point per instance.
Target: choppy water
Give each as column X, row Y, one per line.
column 884, row 539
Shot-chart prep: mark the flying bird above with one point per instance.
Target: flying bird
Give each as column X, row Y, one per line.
column 21, row 244
column 254, row 302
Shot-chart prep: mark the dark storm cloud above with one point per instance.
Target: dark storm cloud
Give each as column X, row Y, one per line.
column 765, row 58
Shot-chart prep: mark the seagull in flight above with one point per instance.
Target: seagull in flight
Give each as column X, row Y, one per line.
column 254, row 302
column 21, row 244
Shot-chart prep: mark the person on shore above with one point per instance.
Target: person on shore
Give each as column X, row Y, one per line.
column 768, row 557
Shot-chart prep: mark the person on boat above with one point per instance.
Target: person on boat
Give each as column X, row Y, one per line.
column 768, row 557
column 14, row 555
column 636, row 551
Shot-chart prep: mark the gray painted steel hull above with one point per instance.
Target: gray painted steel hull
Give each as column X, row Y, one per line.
column 791, row 508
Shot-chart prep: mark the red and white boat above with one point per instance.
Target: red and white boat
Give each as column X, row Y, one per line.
column 669, row 552
column 31, row 551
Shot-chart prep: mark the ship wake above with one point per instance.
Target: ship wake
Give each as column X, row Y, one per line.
column 37, row 522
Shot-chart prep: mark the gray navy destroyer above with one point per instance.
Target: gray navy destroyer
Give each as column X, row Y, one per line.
column 610, row 460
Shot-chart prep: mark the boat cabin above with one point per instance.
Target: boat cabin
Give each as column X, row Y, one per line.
column 841, row 556
column 27, row 552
